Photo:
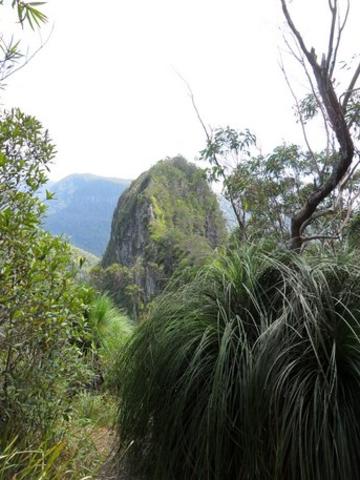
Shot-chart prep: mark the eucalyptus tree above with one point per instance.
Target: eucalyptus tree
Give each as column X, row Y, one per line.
column 298, row 194
column 340, row 110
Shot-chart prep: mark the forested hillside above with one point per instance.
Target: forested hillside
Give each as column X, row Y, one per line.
column 82, row 209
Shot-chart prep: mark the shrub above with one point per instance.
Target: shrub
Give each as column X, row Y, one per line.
column 41, row 311
column 109, row 330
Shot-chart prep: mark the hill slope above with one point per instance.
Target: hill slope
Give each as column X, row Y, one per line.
column 82, row 209
column 167, row 216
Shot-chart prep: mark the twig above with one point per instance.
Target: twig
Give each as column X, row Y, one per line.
column 192, row 98
column 350, row 89
column 28, row 59
column 319, row 237
column 316, row 216
column 340, row 31
column 333, row 9
column 301, row 118
column 322, row 110
column 214, row 157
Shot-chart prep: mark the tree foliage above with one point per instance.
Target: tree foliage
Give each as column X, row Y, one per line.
column 266, row 190
column 119, row 282
column 41, row 308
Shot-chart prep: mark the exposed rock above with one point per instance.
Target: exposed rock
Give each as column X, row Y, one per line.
column 168, row 216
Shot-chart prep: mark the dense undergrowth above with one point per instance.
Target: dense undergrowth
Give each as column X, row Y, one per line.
column 251, row 371
column 58, row 338
column 79, row 443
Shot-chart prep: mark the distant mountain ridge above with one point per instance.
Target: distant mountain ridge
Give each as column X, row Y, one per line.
column 82, row 209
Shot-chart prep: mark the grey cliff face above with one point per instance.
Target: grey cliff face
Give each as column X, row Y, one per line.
column 129, row 229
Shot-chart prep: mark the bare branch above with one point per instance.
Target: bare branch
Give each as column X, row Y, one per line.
column 301, row 118
column 192, row 98
column 338, row 40
column 350, row 89
column 319, row 237
column 316, row 216
column 320, row 105
column 331, row 5
column 333, row 9
column 309, row 55
column 347, row 177
column 291, row 50
column 348, row 213
column 300, row 58
column 214, row 157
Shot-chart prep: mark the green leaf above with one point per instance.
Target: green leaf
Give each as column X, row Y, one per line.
column 49, row 195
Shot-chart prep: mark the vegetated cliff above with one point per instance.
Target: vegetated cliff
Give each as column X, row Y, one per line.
column 82, row 208
column 168, row 217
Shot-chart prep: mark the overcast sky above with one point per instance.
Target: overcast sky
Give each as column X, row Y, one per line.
column 106, row 86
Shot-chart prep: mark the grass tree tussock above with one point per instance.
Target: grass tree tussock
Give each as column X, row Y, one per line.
column 109, row 325
column 307, row 373
column 110, row 329
column 251, row 371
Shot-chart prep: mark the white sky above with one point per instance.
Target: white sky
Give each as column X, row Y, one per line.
column 106, row 88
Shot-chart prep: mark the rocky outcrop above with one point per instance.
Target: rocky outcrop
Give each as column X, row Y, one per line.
column 166, row 218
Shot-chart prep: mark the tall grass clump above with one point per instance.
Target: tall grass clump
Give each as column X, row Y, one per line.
column 109, row 325
column 251, row 371
column 309, row 370
column 110, row 328
column 41, row 463
column 186, row 376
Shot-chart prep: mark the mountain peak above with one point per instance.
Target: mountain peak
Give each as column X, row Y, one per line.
column 168, row 213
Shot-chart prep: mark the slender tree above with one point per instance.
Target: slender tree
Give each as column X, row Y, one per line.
column 296, row 194
column 337, row 112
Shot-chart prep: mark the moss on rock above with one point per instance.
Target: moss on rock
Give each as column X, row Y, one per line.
column 168, row 217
